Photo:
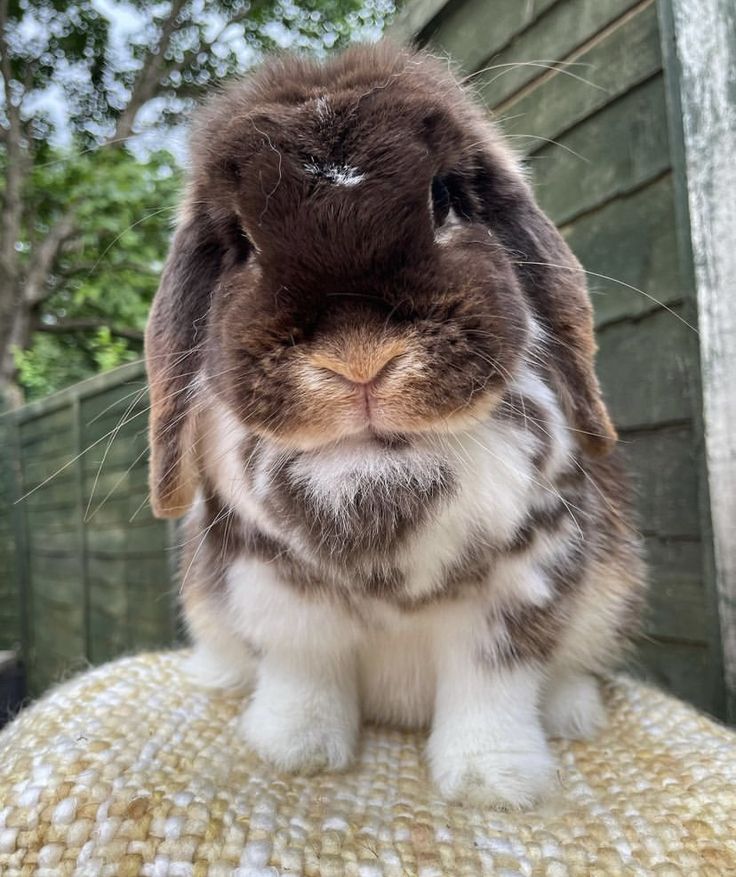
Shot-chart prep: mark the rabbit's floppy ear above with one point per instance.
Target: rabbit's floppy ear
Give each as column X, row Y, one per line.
column 174, row 339
column 554, row 283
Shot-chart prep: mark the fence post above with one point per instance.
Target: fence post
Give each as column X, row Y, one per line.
column 700, row 53
column 78, row 450
column 20, row 529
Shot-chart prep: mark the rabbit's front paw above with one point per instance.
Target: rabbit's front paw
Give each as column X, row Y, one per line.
column 300, row 737
column 514, row 773
column 573, row 708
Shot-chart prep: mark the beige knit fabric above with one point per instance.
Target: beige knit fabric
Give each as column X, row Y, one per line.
column 129, row 771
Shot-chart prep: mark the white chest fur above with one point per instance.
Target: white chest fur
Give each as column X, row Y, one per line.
column 494, row 485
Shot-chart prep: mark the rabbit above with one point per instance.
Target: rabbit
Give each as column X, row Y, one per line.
column 371, row 366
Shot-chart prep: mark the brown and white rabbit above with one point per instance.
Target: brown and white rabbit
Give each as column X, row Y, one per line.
column 371, row 373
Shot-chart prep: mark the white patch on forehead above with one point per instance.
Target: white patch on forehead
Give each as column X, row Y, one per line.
column 339, row 174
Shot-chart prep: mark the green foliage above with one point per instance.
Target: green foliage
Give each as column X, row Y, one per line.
column 123, row 212
column 53, row 362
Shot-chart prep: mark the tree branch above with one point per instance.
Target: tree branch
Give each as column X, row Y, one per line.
column 64, row 327
column 43, row 258
column 149, row 76
column 78, row 268
column 12, row 204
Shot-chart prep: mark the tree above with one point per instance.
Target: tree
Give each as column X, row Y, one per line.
column 89, row 88
column 96, row 298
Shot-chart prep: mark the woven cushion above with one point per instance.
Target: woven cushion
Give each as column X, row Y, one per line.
column 128, row 770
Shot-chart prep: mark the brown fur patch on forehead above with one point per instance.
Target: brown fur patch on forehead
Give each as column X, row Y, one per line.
column 347, row 103
column 300, row 146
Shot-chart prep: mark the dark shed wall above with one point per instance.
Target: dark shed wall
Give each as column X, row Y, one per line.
column 591, row 119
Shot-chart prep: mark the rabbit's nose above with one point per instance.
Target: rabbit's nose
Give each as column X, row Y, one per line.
column 360, row 367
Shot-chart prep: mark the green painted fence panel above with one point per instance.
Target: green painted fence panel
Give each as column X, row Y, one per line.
column 96, row 565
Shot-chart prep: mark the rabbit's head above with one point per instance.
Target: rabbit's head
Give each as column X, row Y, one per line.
column 358, row 257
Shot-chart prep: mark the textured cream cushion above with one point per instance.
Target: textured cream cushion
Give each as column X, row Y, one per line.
column 128, row 770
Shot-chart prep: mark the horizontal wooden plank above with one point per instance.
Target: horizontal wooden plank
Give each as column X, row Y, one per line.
column 59, row 444
column 116, row 516
column 54, row 476
column 58, row 623
column 631, row 240
column 155, row 638
column 44, row 520
column 43, row 499
column 149, row 573
column 685, row 669
column 552, row 37
column 677, row 610
column 132, row 371
column 119, row 455
column 118, row 481
column 107, row 570
column 108, row 639
column 664, row 469
column 115, row 424
column 648, row 369
column 675, row 557
column 64, row 566
column 110, row 599
column 158, row 624
column 46, row 425
column 57, row 591
column 116, row 501
column 472, row 31
column 556, row 101
column 53, row 542
column 144, row 542
column 677, row 600
column 131, row 395
column 147, row 539
column 608, row 155
column 413, row 18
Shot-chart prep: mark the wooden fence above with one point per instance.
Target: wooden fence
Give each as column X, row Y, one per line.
column 86, row 570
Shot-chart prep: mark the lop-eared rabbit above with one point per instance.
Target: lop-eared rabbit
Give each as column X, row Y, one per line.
column 371, row 364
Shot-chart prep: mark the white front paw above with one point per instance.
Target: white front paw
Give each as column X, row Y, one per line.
column 299, row 738
column 573, row 708
column 513, row 773
column 206, row 668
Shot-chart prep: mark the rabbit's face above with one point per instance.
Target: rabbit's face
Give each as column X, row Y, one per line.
column 369, row 298
column 316, row 359
column 358, row 255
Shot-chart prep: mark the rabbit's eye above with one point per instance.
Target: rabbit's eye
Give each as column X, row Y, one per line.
column 451, row 203
column 441, row 202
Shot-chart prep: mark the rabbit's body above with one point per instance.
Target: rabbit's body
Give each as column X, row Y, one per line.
column 402, row 507
column 382, row 562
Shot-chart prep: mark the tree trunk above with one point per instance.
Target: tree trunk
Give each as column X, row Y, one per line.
column 19, row 336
